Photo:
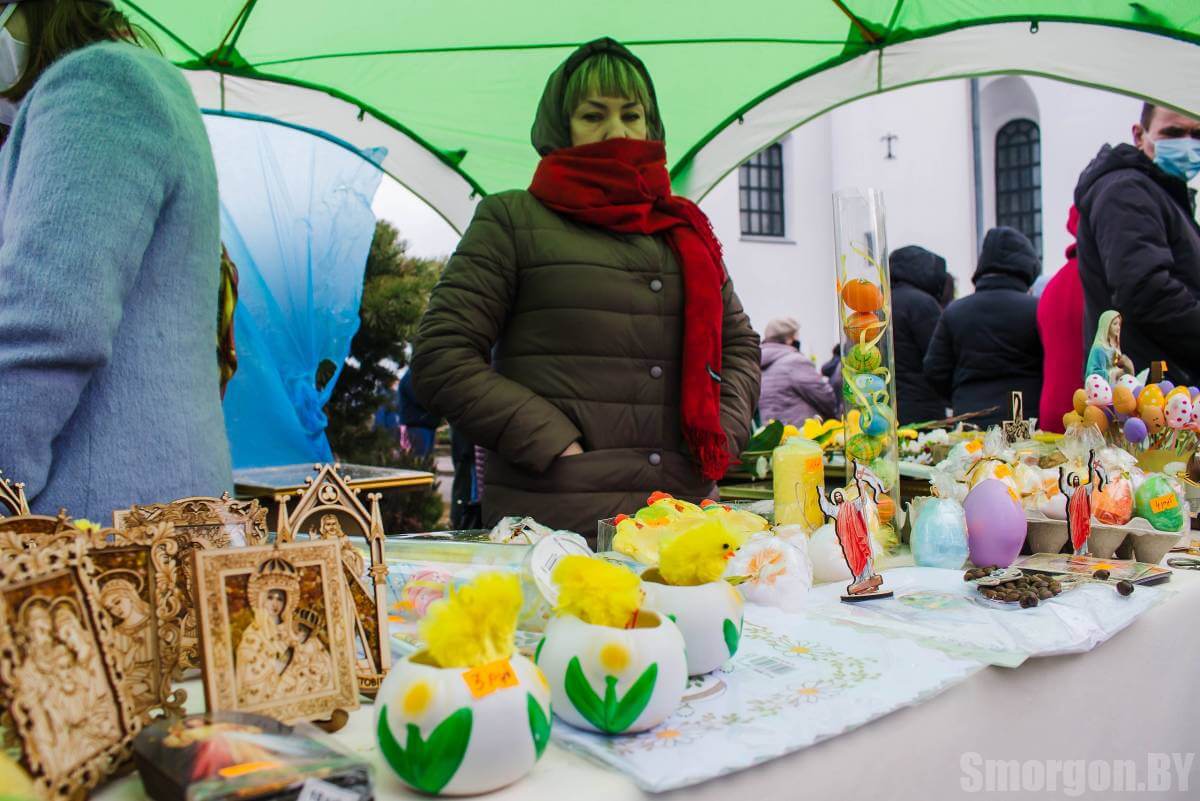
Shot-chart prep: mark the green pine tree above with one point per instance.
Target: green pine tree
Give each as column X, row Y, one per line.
column 396, row 290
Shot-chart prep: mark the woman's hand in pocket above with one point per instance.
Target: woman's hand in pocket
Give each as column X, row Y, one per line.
column 574, row 449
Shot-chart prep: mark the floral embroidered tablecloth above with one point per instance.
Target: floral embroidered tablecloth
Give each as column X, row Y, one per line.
column 937, row 608
column 796, row 680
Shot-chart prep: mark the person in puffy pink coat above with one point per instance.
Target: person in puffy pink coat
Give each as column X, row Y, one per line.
column 1060, row 326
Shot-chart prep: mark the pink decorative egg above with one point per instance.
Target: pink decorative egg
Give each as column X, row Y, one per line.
column 1178, row 411
column 1128, row 381
column 1099, row 393
column 996, row 525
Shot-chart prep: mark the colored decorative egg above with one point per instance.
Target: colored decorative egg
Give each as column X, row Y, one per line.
column 1113, row 505
column 1079, row 401
column 870, row 386
column 1154, row 419
column 886, row 508
column 472, row 742
column 877, row 419
column 1128, row 381
column 862, row 295
column 1099, row 393
column 1135, row 430
column 863, row 447
column 996, row 525
column 1123, row 400
column 1184, row 391
column 1055, row 507
column 939, row 535
column 643, row 670
column 1166, row 386
column 1095, row 416
column 862, row 325
column 1194, row 392
column 1151, row 396
column 1178, row 411
column 863, row 358
column 1156, row 501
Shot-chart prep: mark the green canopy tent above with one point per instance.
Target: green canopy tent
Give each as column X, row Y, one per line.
column 449, row 86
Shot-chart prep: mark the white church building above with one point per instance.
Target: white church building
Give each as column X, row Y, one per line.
column 935, row 151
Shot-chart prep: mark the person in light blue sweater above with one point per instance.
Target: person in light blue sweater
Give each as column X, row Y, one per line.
column 109, row 267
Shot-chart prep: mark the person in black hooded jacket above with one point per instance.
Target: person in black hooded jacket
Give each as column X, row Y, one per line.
column 986, row 345
column 918, row 283
column 1139, row 246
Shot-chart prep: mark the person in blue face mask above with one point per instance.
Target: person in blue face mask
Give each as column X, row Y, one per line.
column 1139, row 244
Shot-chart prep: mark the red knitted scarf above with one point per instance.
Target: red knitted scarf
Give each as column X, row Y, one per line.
column 622, row 185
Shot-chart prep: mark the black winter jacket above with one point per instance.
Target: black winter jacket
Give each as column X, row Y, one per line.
column 918, row 280
column 986, row 345
column 1139, row 253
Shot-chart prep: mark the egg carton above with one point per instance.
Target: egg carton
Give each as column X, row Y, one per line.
column 1137, row 539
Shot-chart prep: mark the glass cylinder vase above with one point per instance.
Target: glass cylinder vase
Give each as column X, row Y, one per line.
column 864, row 298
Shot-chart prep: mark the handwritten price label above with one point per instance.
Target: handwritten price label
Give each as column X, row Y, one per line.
column 1163, row 502
column 486, row 679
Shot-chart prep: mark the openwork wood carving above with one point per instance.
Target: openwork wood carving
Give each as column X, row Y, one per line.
column 329, row 509
column 275, row 631
column 138, row 585
column 12, row 497
column 197, row 523
column 61, row 680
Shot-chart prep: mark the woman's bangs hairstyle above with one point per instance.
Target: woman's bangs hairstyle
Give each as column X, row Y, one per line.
column 58, row 27
column 609, row 75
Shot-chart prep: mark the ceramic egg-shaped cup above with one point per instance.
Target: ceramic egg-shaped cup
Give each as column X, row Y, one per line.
column 462, row 731
column 708, row 615
column 614, row 680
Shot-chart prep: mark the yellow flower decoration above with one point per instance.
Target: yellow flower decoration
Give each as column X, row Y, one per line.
column 417, row 699
column 614, row 657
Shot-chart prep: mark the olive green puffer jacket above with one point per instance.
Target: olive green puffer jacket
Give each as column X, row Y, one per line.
column 583, row 329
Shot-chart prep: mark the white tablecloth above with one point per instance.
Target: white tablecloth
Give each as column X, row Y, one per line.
column 1124, row 700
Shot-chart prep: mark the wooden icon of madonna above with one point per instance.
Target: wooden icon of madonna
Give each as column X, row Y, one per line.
column 197, row 523
column 61, row 680
column 274, row 625
column 329, row 509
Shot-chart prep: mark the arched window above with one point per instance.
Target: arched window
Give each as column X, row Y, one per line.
column 1019, row 179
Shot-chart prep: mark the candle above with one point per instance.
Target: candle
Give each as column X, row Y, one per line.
column 799, row 475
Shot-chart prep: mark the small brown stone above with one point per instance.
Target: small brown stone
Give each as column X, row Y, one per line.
column 1125, row 587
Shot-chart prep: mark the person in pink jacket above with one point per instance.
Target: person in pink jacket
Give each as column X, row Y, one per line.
column 1060, row 325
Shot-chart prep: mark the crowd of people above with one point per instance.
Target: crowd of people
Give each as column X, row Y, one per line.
column 1128, row 294
column 585, row 341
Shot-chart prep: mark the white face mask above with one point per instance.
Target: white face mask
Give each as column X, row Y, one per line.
column 14, row 55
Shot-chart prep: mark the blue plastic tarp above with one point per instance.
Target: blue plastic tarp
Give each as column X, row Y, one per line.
column 296, row 219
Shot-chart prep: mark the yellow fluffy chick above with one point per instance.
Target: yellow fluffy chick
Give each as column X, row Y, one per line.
column 698, row 556
column 475, row 624
column 596, row 591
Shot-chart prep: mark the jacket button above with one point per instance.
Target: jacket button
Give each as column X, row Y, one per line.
column 656, row 285
column 656, row 372
column 656, row 459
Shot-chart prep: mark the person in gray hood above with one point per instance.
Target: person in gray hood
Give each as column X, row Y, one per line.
column 792, row 389
column 986, row 345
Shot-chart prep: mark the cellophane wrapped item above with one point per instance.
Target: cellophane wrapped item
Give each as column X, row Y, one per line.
column 939, row 533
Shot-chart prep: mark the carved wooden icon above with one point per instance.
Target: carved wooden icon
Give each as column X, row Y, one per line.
column 61, row 683
column 329, row 508
column 137, row 584
column 275, row 629
column 197, row 523
column 1016, row 428
column 12, row 498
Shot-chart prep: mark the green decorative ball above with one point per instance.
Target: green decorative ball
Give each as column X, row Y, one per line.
column 864, row 448
column 864, row 358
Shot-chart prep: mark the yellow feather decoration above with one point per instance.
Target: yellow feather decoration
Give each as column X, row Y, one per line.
column 596, row 591
column 475, row 624
column 699, row 555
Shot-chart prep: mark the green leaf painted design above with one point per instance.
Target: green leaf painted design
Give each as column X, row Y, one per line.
column 539, row 724
column 427, row 765
column 733, row 636
column 537, row 654
column 673, row 620
column 611, row 715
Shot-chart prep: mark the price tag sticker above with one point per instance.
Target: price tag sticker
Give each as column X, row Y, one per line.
column 317, row 790
column 486, row 679
column 812, row 465
column 1163, row 502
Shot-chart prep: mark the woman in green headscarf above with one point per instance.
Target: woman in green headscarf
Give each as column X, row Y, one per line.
column 1105, row 358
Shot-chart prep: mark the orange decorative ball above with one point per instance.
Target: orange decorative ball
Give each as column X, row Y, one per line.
column 862, row 296
column 886, row 507
column 860, row 323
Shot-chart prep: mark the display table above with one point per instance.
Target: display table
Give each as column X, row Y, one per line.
column 1122, row 701
column 267, row 482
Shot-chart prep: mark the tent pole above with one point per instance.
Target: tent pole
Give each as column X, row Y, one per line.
column 977, row 163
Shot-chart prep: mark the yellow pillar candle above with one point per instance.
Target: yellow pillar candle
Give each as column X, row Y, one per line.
column 799, row 475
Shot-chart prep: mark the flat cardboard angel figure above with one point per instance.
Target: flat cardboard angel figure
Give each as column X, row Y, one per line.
column 1079, row 501
column 849, row 518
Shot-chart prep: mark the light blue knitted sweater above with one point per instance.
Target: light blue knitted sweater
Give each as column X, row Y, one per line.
column 109, row 249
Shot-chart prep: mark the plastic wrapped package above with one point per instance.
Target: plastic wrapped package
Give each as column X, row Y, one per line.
column 775, row 570
column 939, row 533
